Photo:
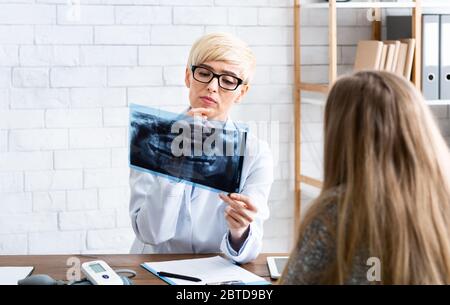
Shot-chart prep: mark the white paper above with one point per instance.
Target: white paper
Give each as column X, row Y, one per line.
column 10, row 275
column 209, row 270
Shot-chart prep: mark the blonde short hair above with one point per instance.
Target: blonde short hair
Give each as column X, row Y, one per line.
column 223, row 47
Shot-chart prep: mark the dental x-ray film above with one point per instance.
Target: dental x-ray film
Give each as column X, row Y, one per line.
column 208, row 154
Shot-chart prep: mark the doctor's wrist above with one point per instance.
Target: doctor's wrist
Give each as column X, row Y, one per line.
column 237, row 237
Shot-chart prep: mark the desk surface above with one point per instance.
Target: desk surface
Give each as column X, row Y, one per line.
column 56, row 266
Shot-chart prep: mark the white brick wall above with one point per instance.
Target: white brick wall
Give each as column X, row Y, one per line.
column 38, row 139
column 27, row 14
column 89, row 15
column 108, row 55
column 48, row 56
column 16, row 161
column 11, row 182
column 13, row 244
column 63, row 118
column 3, row 140
column 53, row 180
column 69, row 221
column 86, row 158
column 80, row 200
column 57, row 242
column 54, row 201
column 16, row 203
column 126, row 35
column 39, row 98
column 5, row 77
column 78, row 77
column 16, row 34
column 8, row 55
column 135, row 77
column 17, row 119
column 30, row 77
column 98, row 97
column 97, row 137
column 143, row 15
column 51, row 34
column 151, row 55
column 65, row 87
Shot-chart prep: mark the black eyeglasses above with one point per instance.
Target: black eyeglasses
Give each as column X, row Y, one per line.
column 226, row 81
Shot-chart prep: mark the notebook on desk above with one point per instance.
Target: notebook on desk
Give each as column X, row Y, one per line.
column 209, row 270
column 11, row 275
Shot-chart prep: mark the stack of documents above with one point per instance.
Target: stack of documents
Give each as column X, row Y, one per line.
column 210, row 270
column 11, row 275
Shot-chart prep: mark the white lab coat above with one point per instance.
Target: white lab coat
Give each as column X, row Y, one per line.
column 174, row 217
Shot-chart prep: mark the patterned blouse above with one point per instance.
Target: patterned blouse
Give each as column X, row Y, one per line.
column 316, row 253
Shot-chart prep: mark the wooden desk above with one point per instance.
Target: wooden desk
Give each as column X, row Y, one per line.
column 56, row 265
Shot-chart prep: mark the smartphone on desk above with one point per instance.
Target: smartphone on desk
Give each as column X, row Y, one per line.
column 276, row 265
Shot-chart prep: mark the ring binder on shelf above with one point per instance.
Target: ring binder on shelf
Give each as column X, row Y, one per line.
column 430, row 57
column 445, row 58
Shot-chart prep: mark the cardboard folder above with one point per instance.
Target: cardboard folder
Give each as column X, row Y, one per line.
column 368, row 55
column 411, row 43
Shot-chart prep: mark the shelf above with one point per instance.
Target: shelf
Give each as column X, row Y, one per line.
column 311, row 181
column 311, row 93
column 349, row 5
column 321, row 88
column 346, row 5
column 436, row 4
column 321, row 102
column 438, row 102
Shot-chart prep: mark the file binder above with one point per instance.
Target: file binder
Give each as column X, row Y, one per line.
column 368, row 55
column 409, row 57
column 445, row 58
column 401, row 62
column 430, row 57
column 398, row 27
column 390, row 57
column 383, row 57
column 395, row 47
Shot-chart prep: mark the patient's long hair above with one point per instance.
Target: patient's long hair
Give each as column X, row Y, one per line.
column 387, row 169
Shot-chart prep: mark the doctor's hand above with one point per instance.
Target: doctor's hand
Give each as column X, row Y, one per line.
column 202, row 112
column 239, row 213
column 199, row 126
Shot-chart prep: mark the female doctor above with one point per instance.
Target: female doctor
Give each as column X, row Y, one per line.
column 171, row 217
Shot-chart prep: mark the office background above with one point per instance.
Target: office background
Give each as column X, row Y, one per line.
column 64, row 90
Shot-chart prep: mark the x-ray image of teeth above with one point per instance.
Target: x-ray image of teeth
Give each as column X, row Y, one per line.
column 214, row 154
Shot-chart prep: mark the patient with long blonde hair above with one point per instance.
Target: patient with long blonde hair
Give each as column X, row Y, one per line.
column 383, row 215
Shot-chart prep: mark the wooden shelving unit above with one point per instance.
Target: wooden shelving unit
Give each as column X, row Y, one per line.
column 300, row 86
column 362, row 4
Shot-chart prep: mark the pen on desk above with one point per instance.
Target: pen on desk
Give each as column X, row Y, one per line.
column 235, row 282
column 179, row 276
